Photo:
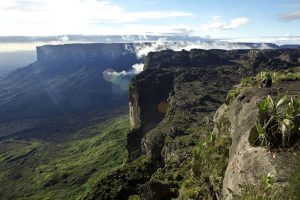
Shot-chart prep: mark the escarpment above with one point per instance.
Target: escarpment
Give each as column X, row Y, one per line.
column 169, row 75
column 172, row 104
column 68, row 80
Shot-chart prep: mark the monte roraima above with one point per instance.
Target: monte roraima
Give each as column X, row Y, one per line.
column 198, row 124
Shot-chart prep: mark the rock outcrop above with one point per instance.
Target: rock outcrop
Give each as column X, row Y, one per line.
column 247, row 163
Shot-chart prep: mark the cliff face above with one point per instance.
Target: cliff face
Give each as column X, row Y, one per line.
column 171, row 106
column 69, row 58
column 147, row 106
column 86, row 54
column 150, row 92
column 170, row 77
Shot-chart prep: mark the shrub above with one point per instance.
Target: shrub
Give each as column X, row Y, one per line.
column 278, row 124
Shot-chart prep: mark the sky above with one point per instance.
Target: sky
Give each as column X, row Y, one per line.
column 232, row 20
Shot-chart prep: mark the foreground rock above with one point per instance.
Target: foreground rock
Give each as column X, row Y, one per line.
column 248, row 164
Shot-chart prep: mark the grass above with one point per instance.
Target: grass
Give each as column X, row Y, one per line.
column 61, row 171
column 208, row 165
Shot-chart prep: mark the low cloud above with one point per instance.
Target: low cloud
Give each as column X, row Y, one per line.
column 121, row 79
column 290, row 16
column 217, row 24
column 142, row 50
column 111, row 75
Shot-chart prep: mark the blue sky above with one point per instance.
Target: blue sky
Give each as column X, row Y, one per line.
column 231, row 19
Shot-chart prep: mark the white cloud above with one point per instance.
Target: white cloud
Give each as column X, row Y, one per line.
column 142, row 50
column 54, row 17
column 217, row 24
column 137, row 68
column 290, row 16
column 235, row 23
column 157, row 29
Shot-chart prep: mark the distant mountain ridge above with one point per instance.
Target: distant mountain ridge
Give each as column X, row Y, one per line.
column 65, row 80
column 111, row 39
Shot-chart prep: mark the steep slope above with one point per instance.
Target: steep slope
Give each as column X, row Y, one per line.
column 65, row 82
column 35, row 169
column 172, row 104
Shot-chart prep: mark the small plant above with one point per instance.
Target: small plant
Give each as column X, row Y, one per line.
column 232, row 94
column 262, row 135
column 196, row 162
column 266, row 189
column 267, row 181
column 212, row 137
column 278, row 122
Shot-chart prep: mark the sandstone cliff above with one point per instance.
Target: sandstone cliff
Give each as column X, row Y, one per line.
column 172, row 104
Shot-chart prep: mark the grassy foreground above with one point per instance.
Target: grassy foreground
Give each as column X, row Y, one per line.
column 31, row 169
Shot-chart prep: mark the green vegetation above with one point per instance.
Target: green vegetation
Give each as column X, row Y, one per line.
column 278, row 124
column 265, row 190
column 122, row 183
column 210, row 160
column 295, row 182
column 232, row 94
column 31, row 169
column 208, row 165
